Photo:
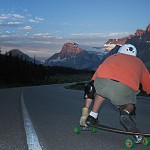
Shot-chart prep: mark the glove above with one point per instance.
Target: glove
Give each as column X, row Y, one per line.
column 85, row 113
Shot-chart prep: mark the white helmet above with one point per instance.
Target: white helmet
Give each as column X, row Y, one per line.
column 128, row 49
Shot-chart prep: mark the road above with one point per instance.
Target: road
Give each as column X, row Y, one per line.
column 54, row 112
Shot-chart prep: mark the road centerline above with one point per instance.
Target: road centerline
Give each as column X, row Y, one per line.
column 32, row 138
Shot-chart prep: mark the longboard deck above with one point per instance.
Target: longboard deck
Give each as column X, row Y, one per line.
column 115, row 130
column 129, row 143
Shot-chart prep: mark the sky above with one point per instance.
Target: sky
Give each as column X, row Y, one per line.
column 40, row 28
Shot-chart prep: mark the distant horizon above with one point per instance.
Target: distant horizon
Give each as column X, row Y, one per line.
column 41, row 28
column 38, row 57
column 43, row 58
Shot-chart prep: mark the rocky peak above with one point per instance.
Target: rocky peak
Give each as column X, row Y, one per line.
column 75, row 56
column 139, row 32
column 148, row 28
column 111, row 43
column 70, row 49
column 142, row 35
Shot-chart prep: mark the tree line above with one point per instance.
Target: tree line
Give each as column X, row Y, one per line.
column 14, row 71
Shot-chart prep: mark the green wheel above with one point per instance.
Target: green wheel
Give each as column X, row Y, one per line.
column 93, row 130
column 129, row 143
column 145, row 141
column 77, row 130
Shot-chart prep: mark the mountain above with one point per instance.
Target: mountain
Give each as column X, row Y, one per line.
column 20, row 54
column 83, row 57
column 111, row 43
column 77, row 56
column 142, row 43
column 141, row 40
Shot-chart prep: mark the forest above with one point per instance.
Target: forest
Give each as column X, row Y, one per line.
column 14, row 71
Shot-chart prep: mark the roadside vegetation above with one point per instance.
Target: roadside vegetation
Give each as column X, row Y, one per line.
column 76, row 86
column 15, row 72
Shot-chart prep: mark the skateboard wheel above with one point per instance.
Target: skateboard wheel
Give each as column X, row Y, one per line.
column 145, row 141
column 77, row 130
column 129, row 143
column 93, row 130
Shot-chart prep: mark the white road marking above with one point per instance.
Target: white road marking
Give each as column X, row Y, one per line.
column 32, row 139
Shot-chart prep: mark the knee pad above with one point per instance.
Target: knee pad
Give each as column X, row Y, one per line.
column 89, row 90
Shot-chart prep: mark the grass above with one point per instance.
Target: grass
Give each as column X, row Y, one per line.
column 77, row 86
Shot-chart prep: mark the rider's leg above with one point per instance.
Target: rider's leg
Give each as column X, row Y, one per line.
column 89, row 93
column 127, row 121
column 92, row 118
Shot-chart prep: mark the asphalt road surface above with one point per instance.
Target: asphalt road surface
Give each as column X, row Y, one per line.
column 54, row 112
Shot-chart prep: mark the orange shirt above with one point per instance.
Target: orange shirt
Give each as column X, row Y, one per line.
column 126, row 69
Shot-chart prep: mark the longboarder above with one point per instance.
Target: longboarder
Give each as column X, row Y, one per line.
column 118, row 79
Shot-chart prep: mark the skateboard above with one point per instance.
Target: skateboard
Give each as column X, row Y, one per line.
column 129, row 143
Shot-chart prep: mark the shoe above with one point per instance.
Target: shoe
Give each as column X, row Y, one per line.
column 128, row 123
column 91, row 121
